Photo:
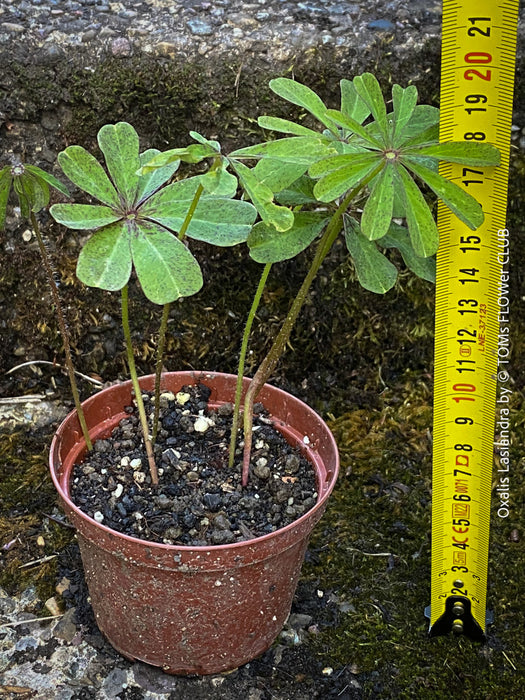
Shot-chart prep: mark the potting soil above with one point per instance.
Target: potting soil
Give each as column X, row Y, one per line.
column 199, row 500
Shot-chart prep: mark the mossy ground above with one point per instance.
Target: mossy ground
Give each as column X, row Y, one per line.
column 363, row 361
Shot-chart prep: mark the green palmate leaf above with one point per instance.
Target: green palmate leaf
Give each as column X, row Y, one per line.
column 267, row 245
column 354, row 127
column 151, row 181
column 47, row 177
column 83, row 216
column 5, row 187
column 120, row 145
column 351, row 104
column 368, row 89
column 464, row 206
column 398, row 237
column 105, row 260
column 165, row 267
column 219, row 182
column 277, row 175
column 483, row 154
column 374, row 271
column 262, row 197
column 339, row 181
column 285, row 126
column 302, row 150
column 297, row 193
column 421, row 225
column 377, row 212
column 404, row 103
column 303, row 96
column 86, row 172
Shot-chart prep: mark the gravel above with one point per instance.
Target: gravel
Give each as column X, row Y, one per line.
column 273, row 28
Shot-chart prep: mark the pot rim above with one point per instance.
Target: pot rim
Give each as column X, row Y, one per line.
column 312, row 455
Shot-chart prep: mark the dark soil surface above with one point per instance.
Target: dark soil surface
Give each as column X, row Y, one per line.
column 199, row 500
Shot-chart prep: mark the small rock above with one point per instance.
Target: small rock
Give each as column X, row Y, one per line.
column 182, row 398
column 121, row 47
column 202, row 424
column 66, row 628
column 381, row 25
column 135, row 463
column 199, row 27
column 292, row 464
column 139, row 477
column 98, row 516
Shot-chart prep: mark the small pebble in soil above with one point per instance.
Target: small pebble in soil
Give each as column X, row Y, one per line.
column 199, row 500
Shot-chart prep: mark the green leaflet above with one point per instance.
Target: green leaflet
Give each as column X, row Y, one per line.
column 355, row 127
column 398, row 237
column 464, row 206
column 404, row 103
column 267, row 245
column 277, row 175
column 105, row 260
column 219, row 221
column 47, row 177
column 421, row 225
column 262, row 198
column 368, row 89
column 83, row 216
column 339, row 181
column 482, row 154
column 423, row 119
column 120, row 145
column 299, row 192
column 285, row 126
column 152, row 180
column 377, row 212
column 351, row 104
column 36, row 191
column 165, row 267
column 374, row 271
column 5, row 187
column 219, row 182
column 303, row 96
column 301, row 150
column 328, row 165
column 85, row 172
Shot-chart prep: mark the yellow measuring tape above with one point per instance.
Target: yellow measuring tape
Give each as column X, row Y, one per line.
column 477, row 79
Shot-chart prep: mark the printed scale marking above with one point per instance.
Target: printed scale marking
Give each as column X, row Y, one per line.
column 477, row 79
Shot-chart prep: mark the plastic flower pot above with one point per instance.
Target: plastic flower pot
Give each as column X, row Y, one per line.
column 193, row 610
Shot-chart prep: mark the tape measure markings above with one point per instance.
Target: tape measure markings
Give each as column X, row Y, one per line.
column 478, row 54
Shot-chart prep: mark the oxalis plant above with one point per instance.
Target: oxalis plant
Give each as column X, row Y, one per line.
column 359, row 174
column 141, row 223
column 31, row 187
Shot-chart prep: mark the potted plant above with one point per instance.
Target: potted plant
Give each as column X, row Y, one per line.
column 179, row 600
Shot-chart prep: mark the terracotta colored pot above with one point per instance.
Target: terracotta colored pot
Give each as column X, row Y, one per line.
column 193, row 610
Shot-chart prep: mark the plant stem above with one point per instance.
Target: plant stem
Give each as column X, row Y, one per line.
column 63, row 332
column 270, row 361
column 242, row 359
column 165, row 316
column 158, row 367
column 136, row 387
